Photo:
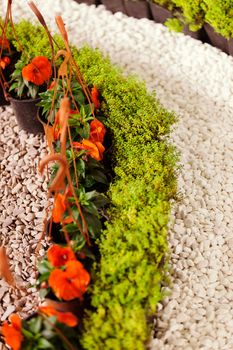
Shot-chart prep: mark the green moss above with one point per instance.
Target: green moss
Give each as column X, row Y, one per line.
column 219, row 14
column 192, row 13
column 127, row 284
column 174, row 24
column 164, row 3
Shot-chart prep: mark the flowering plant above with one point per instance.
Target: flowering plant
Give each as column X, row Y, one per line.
column 48, row 329
column 76, row 137
column 62, row 274
column 28, row 79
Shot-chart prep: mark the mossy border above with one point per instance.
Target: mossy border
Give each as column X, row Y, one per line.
column 133, row 268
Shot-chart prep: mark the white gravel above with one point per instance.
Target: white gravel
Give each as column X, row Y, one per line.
column 23, row 199
column 196, row 81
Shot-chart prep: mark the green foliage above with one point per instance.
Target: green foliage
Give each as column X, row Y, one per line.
column 127, row 283
column 20, row 86
column 48, row 100
column 174, row 24
column 41, row 332
column 32, row 38
column 192, row 13
column 164, row 3
column 219, row 13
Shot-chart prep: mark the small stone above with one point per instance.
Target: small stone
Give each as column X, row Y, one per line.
column 10, row 309
column 16, row 189
column 188, row 221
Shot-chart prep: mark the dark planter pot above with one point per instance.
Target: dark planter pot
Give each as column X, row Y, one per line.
column 138, row 9
column 217, row 40
column 230, row 47
column 88, row 2
column 26, row 115
column 159, row 13
column 199, row 34
column 114, row 5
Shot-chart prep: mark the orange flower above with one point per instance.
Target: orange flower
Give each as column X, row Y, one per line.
column 59, row 256
column 70, row 283
column 94, row 149
column 38, row 71
column 12, row 332
column 5, row 61
column 63, row 317
column 59, row 208
column 95, row 97
column 97, row 131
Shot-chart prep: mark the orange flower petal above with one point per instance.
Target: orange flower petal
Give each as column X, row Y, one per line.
column 97, row 131
column 71, row 283
column 88, row 146
column 73, row 268
column 15, row 321
column 79, row 276
column 12, row 332
column 59, row 256
column 63, row 317
column 62, row 286
column 92, row 149
column 95, row 97
column 59, row 208
column 38, row 71
column 101, row 149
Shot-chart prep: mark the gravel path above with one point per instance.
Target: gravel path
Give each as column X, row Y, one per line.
column 196, row 81
column 23, row 198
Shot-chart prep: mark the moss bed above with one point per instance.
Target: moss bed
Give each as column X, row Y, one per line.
column 127, row 284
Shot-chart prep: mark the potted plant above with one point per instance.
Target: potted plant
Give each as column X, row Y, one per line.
column 161, row 10
column 219, row 25
column 137, row 8
column 31, row 73
column 27, row 80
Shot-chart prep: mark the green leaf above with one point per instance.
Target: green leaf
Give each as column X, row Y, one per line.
column 35, row 324
column 44, row 267
column 80, row 166
column 99, row 176
column 45, row 344
column 43, row 292
column 91, row 208
column 79, row 97
column 93, row 223
column 100, row 201
column 27, row 334
column 83, row 112
column 48, row 333
column 44, row 277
